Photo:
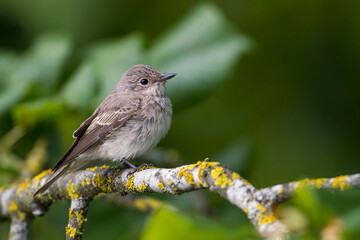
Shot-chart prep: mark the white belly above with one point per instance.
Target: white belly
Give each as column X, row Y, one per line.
column 133, row 143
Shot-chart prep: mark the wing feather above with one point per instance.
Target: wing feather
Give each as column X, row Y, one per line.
column 96, row 128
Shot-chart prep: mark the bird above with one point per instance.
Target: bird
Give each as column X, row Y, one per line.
column 130, row 121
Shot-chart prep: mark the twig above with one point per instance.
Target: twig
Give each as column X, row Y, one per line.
column 77, row 218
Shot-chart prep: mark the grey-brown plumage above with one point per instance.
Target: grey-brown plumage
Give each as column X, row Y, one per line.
column 128, row 123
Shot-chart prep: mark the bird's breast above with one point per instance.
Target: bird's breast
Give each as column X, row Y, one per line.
column 140, row 133
column 154, row 123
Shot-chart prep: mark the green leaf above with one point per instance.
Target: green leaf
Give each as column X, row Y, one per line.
column 8, row 64
column 12, row 93
column 40, row 65
column 171, row 224
column 203, row 49
column 81, row 88
column 352, row 223
column 308, row 201
column 47, row 56
column 31, row 113
column 10, row 163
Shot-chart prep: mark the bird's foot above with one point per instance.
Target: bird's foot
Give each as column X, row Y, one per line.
column 127, row 164
column 133, row 167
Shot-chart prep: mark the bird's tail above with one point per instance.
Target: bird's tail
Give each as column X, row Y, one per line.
column 53, row 177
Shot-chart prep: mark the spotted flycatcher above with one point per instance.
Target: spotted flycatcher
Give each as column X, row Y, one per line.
column 128, row 123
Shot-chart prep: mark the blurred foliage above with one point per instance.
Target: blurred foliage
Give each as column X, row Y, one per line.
column 289, row 109
column 165, row 222
column 320, row 214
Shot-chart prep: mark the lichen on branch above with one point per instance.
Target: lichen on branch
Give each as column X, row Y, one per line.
column 82, row 186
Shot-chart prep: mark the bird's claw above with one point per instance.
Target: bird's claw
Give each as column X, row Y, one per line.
column 133, row 167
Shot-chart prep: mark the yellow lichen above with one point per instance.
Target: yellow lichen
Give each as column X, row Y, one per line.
column 130, row 183
column 221, row 177
column 171, row 183
column 21, row 215
column 317, row 183
column 280, row 191
column 13, row 207
column 189, row 178
column 92, row 168
column 224, row 181
column 216, row 172
column 109, row 180
column 116, row 172
column 24, row 185
column 340, row 183
column 38, row 177
column 235, row 175
column 70, row 230
column 73, row 191
column 102, row 182
column 71, row 215
column 80, row 217
column 267, row 219
column 246, row 210
column 161, row 186
column 141, row 188
column 246, row 182
column 191, row 166
column 88, row 181
column 303, row 183
column 205, row 165
column 261, row 207
column 104, row 166
column 97, row 180
column 145, row 167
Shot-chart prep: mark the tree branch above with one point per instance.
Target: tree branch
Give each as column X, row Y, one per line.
column 82, row 186
column 77, row 217
column 19, row 227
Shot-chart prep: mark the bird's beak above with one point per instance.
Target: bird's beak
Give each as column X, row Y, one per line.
column 165, row 77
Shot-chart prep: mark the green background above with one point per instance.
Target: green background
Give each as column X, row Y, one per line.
column 271, row 89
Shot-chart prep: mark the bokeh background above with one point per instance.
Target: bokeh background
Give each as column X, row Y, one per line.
column 268, row 88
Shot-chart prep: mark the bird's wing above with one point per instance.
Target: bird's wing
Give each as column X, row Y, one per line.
column 84, row 126
column 77, row 135
column 96, row 128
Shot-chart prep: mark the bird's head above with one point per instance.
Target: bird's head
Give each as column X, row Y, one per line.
column 145, row 80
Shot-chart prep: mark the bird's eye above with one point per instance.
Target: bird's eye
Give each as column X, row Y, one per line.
column 144, row 81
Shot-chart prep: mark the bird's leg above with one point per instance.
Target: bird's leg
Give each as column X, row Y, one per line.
column 133, row 167
column 146, row 165
column 130, row 165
